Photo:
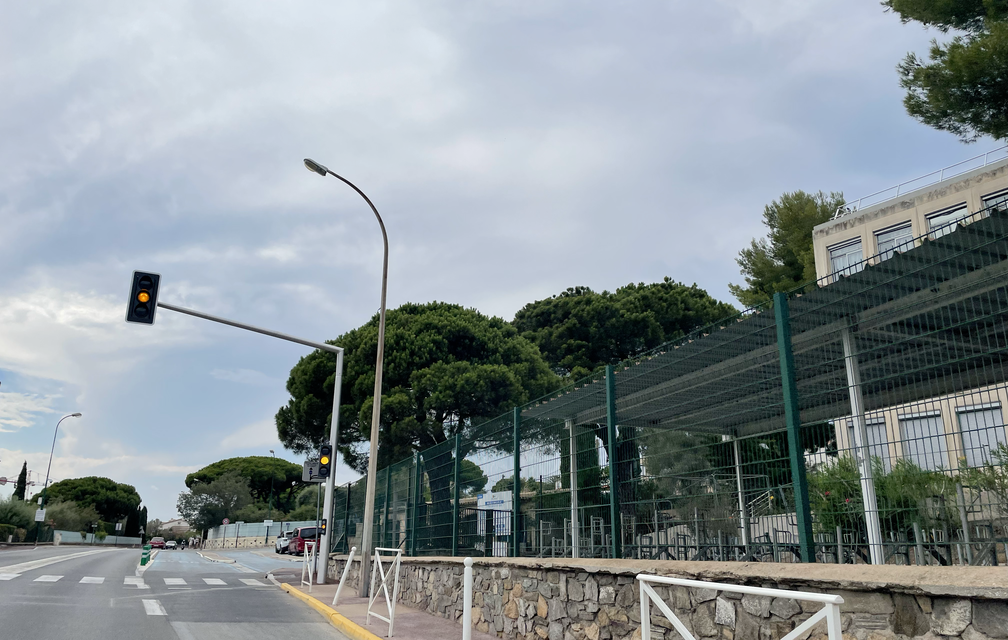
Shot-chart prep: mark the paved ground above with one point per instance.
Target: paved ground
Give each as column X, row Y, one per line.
column 80, row 593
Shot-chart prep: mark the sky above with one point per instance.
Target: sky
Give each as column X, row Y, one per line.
column 514, row 149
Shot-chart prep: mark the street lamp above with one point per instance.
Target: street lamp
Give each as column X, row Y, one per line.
column 269, row 515
column 46, row 485
column 376, row 405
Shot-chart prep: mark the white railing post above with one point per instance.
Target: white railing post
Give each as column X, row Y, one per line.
column 645, row 613
column 378, row 571
column 346, row 570
column 467, row 598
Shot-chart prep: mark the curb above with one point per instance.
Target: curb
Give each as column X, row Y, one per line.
column 141, row 569
column 217, row 559
column 336, row 619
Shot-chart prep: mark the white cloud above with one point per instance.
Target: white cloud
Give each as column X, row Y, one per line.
column 258, row 435
column 19, row 410
column 245, row 376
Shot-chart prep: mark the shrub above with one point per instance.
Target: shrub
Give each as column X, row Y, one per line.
column 7, row 530
column 17, row 512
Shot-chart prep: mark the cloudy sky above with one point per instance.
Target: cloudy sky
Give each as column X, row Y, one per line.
column 514, row 149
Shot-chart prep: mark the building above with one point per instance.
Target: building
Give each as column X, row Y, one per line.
column 903, row 220
column 174, row 527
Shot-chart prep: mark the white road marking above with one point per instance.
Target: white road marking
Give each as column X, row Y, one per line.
column 8, row 576
column 214, row 581
column 131, row 581
column 48, row 578
column 154, row 608
column 90, row 580
column 175, row 582
column 252, row 582
column 45, row 562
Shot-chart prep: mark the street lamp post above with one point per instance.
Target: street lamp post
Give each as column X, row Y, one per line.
column 269, row 512
column 46, row 485
column 376, row 405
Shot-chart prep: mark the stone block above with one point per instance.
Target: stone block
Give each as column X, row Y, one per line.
column 553, row 577
column 724, row 613
column 924, row 602
column 758, row 606
column 591, row 631
column 972, row 634
column 908, row 619
column 591, row 589
column 607, row 594
column 575, row 591
column 681, row 598
column 784, row 608
column 951, row 616
column 776, row 629
column 547, row 590
column 747, row 626
column 626, row 596
column 556, row 609
column 555, row 631
column 542, row 607
column 542, row 631
column 592, row 606
column 702, row 595
column 991, row 618
column 511, row 609
column 702, row 620
column 867, row 602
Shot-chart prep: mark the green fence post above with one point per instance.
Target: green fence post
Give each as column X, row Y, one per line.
column 415, row 499
column 791, row 414
column 388, row 486
column 516, row 507
column 455, row 507
column 614, row 513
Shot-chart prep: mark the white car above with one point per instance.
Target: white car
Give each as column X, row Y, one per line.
column 171, row 544
column 281, row 542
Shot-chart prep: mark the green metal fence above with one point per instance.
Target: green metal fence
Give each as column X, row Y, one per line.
column 857, row 419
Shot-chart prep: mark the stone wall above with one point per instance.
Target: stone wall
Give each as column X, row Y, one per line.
column 531, row 599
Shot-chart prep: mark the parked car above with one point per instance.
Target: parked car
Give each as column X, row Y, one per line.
column 157, row 543
column 282, row 542
column 297, row 540
column 171, row 544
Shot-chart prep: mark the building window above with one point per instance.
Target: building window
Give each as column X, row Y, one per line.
column 893, row 240
column 945, row 222
column 924, row 440
column 878, row 447
column 996, row 201
column 846, row 259
column 982, row 430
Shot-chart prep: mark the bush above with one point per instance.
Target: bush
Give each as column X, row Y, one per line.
column 17, row 512
column 7, row 530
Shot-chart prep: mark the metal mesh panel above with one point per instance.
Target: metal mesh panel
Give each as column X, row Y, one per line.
column 857, row 419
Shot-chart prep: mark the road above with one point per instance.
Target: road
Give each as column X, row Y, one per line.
column 81, row 593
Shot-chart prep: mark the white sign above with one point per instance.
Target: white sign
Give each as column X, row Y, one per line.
column 118, row 526
column 40, row 515
column 310, row 472
column 268, row 523
column 498, row 505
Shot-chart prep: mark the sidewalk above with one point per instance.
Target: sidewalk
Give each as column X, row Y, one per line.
column 409, row 623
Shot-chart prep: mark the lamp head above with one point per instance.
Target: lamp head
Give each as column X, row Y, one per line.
column 75, row 415
column 316, row 167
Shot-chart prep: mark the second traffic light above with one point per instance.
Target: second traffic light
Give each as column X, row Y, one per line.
column 143, row 297
column 324, row 460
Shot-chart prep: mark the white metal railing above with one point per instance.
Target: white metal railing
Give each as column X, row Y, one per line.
column 940, row 173
column 377, row 569
column 346, row 570
column 307, row 564
column 467, row 598
column 830, row 611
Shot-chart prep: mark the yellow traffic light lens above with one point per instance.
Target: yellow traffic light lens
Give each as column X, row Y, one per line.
column 324, row 460
column 143, row 296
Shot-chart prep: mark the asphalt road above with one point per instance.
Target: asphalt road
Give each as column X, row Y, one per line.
column 80, row 593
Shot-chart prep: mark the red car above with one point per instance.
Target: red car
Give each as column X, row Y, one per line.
column 157, row 543
column 298, row 538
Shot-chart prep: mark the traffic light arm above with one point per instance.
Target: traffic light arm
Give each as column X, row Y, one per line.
column 241, row 325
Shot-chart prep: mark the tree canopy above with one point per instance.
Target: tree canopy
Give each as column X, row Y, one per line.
column 208, row 503
column 784, row 259
column 265, row 475
column 446, row 369
column 963, row 85
column 580, row 330
column 22, row 482
column 112, row 500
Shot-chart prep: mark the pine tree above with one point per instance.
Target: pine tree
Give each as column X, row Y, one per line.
column 22, row 482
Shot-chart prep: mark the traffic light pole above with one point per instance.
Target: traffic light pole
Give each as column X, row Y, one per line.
column 333, row 431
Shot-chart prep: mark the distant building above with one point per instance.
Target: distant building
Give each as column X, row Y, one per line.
column 174, row 527
column 863, row 235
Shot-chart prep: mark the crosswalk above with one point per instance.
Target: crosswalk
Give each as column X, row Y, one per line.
column 140, row 583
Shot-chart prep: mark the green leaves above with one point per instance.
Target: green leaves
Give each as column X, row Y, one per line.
column 784, row 260
column 207, row 504
column 112, row 500
column 265, row 476
column 580, row 330
column 963, row 88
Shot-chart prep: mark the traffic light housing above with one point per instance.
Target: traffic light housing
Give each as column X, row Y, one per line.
column 143, row 297
column 324, row 460
column 322, row 530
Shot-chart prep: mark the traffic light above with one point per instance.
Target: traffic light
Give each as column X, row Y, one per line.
column 324, row 460
column 323, row 528
column 143, row 297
